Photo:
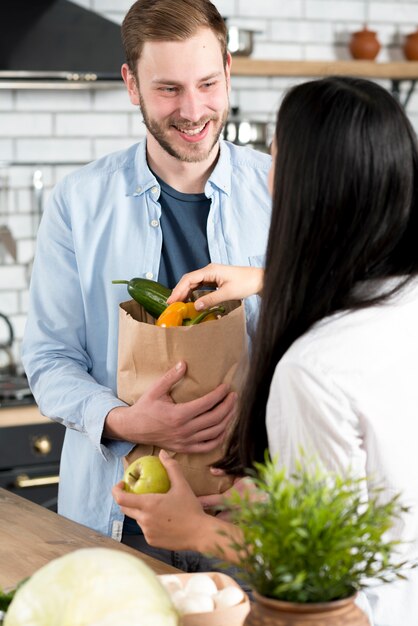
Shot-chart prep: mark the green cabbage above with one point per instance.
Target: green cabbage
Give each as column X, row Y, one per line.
column 93, row 587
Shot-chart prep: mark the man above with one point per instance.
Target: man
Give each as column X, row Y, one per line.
column 161, row 208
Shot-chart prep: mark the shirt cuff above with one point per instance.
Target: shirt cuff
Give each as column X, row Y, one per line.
column 94, row 424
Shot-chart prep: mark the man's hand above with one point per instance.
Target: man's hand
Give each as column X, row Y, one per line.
column 196, row 426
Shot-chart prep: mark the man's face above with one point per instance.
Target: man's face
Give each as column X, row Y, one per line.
column 182, row 89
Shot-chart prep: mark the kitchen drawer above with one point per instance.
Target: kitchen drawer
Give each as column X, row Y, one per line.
column 30, row 444
column 38, row 483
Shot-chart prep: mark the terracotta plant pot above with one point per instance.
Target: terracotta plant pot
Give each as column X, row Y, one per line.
column 410, row 47
column 269, row 612
column 364, row 44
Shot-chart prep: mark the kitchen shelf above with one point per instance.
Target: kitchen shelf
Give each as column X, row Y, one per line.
column 394, row 71
column 262, row 67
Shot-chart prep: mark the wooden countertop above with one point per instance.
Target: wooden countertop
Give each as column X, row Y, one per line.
column 21, row 415
column 31, row 536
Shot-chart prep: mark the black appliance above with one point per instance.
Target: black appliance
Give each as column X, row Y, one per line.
column 29, row 460
column 14, row 388
column 30, row 448
column 15, row 391
column 56, row 43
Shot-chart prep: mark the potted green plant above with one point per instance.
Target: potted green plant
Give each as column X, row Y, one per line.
column 311, row 542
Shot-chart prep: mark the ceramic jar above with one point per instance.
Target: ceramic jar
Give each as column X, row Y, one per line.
column 410, row 47
column 364, row 44
column 269, row 612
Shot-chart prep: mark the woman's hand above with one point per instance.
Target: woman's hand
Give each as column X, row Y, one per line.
column 218, row 501
column 232, row 282
column 173, row 520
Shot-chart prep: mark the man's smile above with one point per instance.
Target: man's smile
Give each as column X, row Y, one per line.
column 193, row 134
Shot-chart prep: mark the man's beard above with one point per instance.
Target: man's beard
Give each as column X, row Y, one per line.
column 192, row 152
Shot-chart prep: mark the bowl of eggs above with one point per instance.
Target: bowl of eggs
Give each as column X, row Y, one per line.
column 207, row 599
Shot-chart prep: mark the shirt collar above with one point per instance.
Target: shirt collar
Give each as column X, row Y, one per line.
column 222, row 173
column 143, row 179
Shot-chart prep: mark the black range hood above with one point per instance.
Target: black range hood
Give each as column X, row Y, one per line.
column 57, row 44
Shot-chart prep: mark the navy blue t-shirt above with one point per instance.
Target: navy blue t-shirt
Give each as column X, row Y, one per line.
column 185, row 248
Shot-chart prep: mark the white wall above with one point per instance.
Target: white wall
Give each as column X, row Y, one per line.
column 63, row 127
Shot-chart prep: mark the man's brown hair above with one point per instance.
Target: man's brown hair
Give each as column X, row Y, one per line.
column 168, row 20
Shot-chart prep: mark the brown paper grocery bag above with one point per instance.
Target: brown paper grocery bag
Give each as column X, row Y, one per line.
column 215, row 353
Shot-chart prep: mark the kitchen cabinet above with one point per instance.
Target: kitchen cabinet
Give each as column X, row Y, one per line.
column 396, row 72
column 30, row 451
column 31, row 536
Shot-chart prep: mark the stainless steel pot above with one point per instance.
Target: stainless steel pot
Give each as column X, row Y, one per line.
column 244, row 132
column 7, row 363
column 240, row 40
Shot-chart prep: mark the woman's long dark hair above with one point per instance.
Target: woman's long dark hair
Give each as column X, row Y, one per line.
column 345, row 211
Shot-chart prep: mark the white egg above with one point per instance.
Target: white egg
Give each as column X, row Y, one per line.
column 228, row 596
column 177, row 597
column 195, row 603
column 201, row 583
column 171, row 582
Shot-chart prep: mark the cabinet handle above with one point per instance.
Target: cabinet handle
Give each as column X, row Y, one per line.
column 23, row 481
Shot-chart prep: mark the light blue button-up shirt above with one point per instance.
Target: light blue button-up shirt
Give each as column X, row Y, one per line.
column 102, row 223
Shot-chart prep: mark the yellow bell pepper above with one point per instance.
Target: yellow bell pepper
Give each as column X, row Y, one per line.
column 184, row 314
column 176, row 313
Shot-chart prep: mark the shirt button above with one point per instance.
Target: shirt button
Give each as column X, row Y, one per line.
column 154, row 189
column 149, row 275
column 138, row 190
column 154, row 223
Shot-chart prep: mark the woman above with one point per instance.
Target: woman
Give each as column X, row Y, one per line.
column 334, row 364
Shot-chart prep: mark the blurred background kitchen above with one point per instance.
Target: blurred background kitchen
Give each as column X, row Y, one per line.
column 48, row 126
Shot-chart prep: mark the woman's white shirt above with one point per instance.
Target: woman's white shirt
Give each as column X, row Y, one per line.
column 347, row 392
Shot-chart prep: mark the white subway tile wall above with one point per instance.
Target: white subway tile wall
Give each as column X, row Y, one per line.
column 60, row 130
column 53, row 100
column 26, row 124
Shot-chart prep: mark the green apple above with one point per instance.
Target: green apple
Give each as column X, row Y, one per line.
column 146, row 475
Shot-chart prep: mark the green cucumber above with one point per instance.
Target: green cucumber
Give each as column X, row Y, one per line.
column 149, row 293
